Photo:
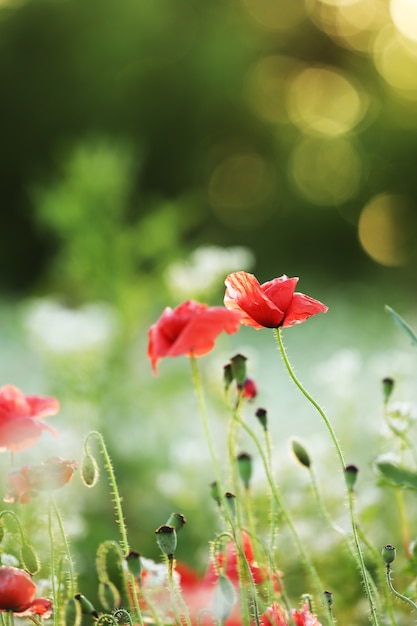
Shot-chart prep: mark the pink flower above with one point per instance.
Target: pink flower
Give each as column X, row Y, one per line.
column 28, row 480
column 17, row 593
column 270, row 305
column 20, row 418
column 190, row 329
column 275, row 615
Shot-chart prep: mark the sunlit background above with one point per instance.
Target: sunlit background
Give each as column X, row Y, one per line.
column 148, row 148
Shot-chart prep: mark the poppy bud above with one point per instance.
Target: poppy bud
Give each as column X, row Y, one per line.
column 227, row 376
column 86, row 606
column 231, row 502
column 389, row 553
column 30, row 559
column 166, row 537
column 177, row 520
column 249, row 389
column 224, row 598
column 387, row 388
column 301, row 453
column 261, row 414
column 306, row 599
column 89, row 470
column 351, row 473
column 244, row 465
column 215, row 493
column 72, row 613
column 108, row 595
column 328, row 598
column 134, row 563
column 238, row 363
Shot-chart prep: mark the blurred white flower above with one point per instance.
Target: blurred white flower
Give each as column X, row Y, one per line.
column 340, row 371
column 60, row 329
column 205, row 269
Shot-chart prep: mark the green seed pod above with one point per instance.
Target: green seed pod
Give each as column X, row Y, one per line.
column 387, row 388
column 301, row 453
column 262, row 416
column 215, row 493
column 227, row 376
column 351, row 473
column 30, row 559
column 244, row 466
column 134, row 564
column 231, row 503
column 389, row 553
column 328, row 598
column 108, row 595
column 166, row 537
column 86, row 606
column 72, row 613
column 238, row 363
column 177, row 520
column 89, row 470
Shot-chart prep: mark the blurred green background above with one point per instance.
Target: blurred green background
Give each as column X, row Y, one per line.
column 150, row 147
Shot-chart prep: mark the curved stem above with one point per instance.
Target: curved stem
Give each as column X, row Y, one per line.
column 342, row 462
column 72, row 582
column 396, row 593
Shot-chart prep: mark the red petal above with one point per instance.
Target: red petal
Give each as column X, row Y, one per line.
column 301, row 308
column 280, row 291
column 245, row 294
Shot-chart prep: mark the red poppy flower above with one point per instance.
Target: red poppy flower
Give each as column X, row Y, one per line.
column 190, row 329
column 271, row 304
column 17, row 593
column 275, row 615
column 20, row 418
column 26, row 481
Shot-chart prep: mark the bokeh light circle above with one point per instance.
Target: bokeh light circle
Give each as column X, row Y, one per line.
column 326, row 172
column 387, row 229
column 404, row 16
column 321, row 100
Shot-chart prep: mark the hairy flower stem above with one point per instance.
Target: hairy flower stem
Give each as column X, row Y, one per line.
column 71, row 576
column 56, row 606
column 117, row 501
column 285, row 515
column 398, row 595
column 336, row 444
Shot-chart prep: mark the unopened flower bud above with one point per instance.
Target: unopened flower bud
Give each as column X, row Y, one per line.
column 86, row 606
column 30, row 559
column 249, row 389
column 227, row 376
column 108, row 595
column 387, row 388
column 177, row 520
column 134, row 564
column 244, row 466
column 301, row 453
column 215, row 493
column 89, row 470
column 328, row 598
column 261, row 414
column 72, row 613
column 238, row 363
column 351, row 473
column 166, row 537
column 224, row 598
column 389, row 553
column 231, row 502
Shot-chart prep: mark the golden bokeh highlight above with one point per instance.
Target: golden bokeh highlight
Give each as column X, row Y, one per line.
column 239, row 185
column 387, row 229
column 321, row 100
column 326, row 172
column 396, row 60
column 404, row 16
column 276, row 15
column 266, row 85
column 351, row 23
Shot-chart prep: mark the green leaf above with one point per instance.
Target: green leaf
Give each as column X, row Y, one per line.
column 397, row 476
column 402, row 324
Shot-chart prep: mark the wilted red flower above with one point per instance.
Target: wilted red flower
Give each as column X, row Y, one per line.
column 17, row 593
column 26, row 481
column 271, row 304
column 20, row 418
column 189, row 329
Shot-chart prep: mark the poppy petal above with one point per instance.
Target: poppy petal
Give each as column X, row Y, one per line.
column 301, row 308
column 245, row 294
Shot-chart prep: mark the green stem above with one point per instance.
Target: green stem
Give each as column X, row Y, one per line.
column 56, row 607
column 72, row 581
column 336, row 444
column 396, row 593
column 286, row 516
column 117, row 501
